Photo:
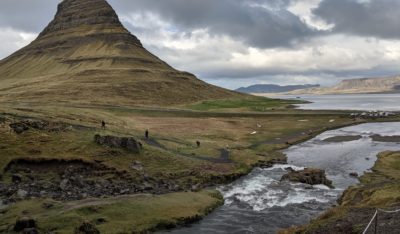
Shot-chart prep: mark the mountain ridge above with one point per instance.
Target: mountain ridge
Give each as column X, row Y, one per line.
column 358, row 86
column 271, row 88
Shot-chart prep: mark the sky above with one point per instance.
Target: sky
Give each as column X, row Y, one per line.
column 235, row 43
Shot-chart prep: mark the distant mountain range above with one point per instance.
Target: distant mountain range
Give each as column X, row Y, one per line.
column 353, row 86
column 271, row 88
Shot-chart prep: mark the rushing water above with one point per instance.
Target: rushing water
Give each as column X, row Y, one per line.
column 261, row 203
column 367, row 102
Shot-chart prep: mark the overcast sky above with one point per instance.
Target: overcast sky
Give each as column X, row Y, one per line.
column 235, row 43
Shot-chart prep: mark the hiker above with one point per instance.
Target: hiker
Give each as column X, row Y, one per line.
column 103, row 124
column 198, row 144
column 146, row 134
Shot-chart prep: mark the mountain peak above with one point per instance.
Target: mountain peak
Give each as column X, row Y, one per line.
column 94, row 16
column 86, row 55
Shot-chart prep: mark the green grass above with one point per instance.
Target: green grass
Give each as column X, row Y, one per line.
column 129, row 214
column 258, row 104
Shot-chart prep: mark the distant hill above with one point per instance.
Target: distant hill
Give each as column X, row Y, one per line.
column 85, row 55
column 353, row 86
column 270, row 88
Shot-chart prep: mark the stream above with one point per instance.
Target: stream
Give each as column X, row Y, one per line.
column 261, row 203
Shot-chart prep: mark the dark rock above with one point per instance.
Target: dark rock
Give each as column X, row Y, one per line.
column 16, row 178
column 311, row 176
column 19, row 127
column 24, row 223
column 30, row 231
column 86, row 228
column 354, row 174
column 128, row 143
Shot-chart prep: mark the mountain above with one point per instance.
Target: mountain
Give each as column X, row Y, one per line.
column 270, row 88
column 85, row 55
column 364, row 85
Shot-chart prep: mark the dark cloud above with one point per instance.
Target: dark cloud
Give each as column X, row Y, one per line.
column 27, row 15
column 373, row 18
column 259, row 23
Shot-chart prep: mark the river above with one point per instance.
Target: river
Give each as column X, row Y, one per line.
column 261, row 203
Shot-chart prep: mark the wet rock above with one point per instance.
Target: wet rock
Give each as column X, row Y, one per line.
column 128, row 143
column 86, row 228
column 311, row 176
column 24, row 223
column 354, row 174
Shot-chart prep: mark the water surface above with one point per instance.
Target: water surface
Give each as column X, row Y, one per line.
column 362, row 102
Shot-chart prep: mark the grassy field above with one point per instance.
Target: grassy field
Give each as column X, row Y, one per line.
column 378, row 189
column 259, row 104
column 126, row 214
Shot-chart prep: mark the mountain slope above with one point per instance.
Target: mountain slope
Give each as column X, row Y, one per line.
column 364, row 85
column 270, row 88
column 85, row 55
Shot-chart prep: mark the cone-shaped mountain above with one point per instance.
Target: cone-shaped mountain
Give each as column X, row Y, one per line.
column 85, row 55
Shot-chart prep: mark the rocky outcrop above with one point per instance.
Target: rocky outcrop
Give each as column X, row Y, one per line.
column 311, row 176
column 128, row 143
column 24, row 125
column 86, row 228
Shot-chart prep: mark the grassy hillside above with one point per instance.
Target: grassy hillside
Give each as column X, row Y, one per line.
column 85, row 55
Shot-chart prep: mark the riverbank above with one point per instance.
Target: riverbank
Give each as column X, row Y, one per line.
column 379, row 188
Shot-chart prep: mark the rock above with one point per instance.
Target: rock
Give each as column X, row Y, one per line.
column 354, row 174
column 311, row 176
column 196, row 188
column 16, row 178
column 30, row 231
column 24, row 223
column 64, row 184
column 128, row 143
column 22, row 194
column 138, row 166
column 86, row 228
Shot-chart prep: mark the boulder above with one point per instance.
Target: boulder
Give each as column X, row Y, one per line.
column 24, row 223
column 354, row 174
column 128, row 143
column 16, row 178
column 86, row 228
column 311, row 176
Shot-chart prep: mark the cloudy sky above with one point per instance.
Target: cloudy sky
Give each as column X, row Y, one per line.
column 235, row 43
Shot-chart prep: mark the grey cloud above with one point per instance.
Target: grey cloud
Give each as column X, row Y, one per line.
column 373, row 18
column 245, row 20
column 27, row 15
